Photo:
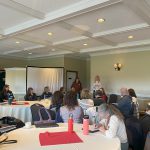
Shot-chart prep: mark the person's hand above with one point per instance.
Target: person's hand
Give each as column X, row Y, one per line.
column 97, row 126
column 102, row 129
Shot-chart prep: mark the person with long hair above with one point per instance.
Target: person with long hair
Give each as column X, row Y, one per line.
column 71, row 107
column 114, row 124
column 30, row 96
column 77, row 86
column 135, row 102
column 6, row 93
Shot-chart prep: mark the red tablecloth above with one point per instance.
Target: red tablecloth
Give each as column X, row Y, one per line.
column 55, row 138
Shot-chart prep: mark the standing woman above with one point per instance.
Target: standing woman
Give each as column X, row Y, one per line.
column 114, row 124
column 6, row 93
column 30, row 96
column 77, row 86
column 96, row 85
column 135, row 102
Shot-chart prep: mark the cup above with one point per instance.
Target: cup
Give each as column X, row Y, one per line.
column 28, row 125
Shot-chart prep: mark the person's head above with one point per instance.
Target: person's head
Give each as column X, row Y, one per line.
column 85, row 94
column 98, row 93
column 103, row 91
column 132, row 92
column 62, row 89
column 30, row 91
column 97, row 78
column 70, row 100
column 77, row 80
column 107, row 110
column 6, row 88
column 124, row 91
column 57, row 98
column 46, row 89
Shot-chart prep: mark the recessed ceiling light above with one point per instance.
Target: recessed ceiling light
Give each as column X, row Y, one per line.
column 53, row 50
column 30, row 53
column 85, row 44
column 100, row 20
column 17, row 42
column 130, row 37
column 50, row 33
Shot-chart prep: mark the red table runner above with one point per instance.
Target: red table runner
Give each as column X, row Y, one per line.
column 55, row 138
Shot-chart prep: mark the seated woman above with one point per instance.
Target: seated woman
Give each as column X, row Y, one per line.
column 56, row 103
column 103, row 96
column 6, row 93
column 71, row 107
column 46, row 93
column 30, row 96
column 114, row 124
column 85, row 102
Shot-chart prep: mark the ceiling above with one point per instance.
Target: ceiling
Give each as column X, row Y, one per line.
column 74, row 26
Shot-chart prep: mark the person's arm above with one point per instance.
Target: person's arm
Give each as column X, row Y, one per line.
column 112, row 128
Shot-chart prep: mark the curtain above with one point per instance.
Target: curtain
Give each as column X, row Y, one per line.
column 38, row 78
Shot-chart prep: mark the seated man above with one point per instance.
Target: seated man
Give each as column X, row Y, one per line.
column 125, row 103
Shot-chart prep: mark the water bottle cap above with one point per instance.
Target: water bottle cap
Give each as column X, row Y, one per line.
column 86, row 117
column 70, row 116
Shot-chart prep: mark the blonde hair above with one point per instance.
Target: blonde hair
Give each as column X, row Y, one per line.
column 85, row 94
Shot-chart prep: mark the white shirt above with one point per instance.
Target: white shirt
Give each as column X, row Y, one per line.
column 116, row 128
column 97, row 85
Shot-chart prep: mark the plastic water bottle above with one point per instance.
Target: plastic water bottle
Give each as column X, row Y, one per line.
column 70, row 123
column 86, row 125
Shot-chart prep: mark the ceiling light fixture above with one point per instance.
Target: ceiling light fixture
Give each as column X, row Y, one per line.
column 100, row 20
column 30, row 53
column 85, row 44
column 17, row 42
column 50, row 33
column 130, row 37
column 53, row 50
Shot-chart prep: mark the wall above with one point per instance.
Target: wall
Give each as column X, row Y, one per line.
column 47, row 62
column 11, row 62
column 135, row 72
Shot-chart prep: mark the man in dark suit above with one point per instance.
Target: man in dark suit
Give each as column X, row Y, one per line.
column 125, row 103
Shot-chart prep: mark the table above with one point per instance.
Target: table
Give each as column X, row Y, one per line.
column 28, row 139
column 21, row 112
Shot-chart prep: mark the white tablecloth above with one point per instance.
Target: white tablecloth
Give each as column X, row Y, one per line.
column 28, row 139
column 21, row 112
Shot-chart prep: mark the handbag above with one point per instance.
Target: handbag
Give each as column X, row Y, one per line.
column 42, row 122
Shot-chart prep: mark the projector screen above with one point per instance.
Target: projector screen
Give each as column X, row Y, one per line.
column 38, row 78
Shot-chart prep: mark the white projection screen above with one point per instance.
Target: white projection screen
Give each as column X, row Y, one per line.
column 38, row 78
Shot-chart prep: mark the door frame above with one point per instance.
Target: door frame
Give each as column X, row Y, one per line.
column 70, row 71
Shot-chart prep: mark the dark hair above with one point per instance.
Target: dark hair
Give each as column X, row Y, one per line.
column 4, row 89
column 103, row 91
column 57, row 98
column 99, row 93
column 29, row 90
column 61, row 89
column 70, row 100
column 132, row 92
column 112, row 110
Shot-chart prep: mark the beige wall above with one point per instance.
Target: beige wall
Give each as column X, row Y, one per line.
column 135, row 72
column 10, row 62
column 47, row 62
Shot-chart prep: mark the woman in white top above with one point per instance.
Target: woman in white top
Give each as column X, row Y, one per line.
column 71, row 107
column 97, row 84
column 113, row 126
